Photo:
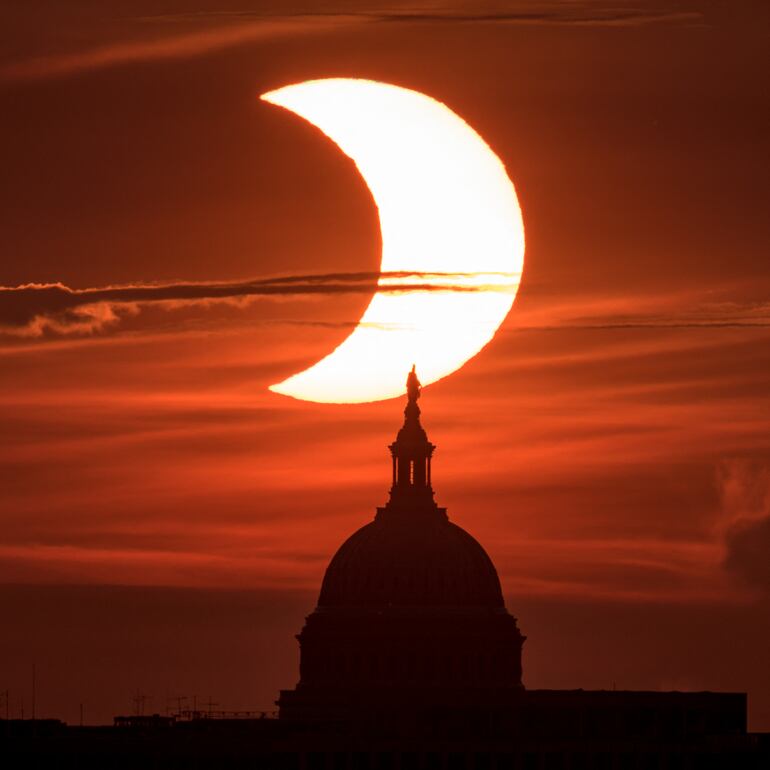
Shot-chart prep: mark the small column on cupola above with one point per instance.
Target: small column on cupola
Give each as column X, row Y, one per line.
column 411, row 451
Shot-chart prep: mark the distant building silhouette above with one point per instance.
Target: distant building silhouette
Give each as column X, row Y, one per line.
column 411, row 661
column 411, row 616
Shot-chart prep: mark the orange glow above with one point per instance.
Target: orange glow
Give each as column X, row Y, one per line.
column 446, row 205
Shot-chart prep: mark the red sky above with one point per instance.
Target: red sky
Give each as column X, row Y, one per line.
column 166, row 520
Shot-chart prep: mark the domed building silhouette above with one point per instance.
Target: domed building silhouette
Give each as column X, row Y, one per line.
column 411, row 613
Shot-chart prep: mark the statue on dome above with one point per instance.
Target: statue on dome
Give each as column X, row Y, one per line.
column 413, row 386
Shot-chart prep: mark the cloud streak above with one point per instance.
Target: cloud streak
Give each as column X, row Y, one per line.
column 31, row 310
column 179, row 46
column 239, row 28
column 37, row 310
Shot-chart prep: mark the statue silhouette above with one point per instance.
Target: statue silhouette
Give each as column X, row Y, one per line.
column 413, row 386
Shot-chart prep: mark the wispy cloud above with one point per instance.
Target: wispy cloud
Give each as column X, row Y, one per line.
column 744, row 489
column 32, row 309
column 569, row 14
column 734, row 316
column 55, row 309
column 235, row 28
column 174, row 46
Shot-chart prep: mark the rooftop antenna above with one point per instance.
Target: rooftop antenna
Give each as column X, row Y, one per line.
column 178, row 699
column 210, row 703
column 139, row 700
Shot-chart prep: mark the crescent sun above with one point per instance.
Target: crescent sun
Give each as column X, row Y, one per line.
column 448, row 213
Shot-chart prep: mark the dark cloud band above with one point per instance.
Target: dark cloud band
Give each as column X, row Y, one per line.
column 214, row 31
column 32, row 309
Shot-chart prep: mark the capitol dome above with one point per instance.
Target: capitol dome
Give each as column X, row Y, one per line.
column 411, row 613
column 411, row 560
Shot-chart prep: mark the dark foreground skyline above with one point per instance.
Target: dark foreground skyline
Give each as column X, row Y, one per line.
column 166, row 521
